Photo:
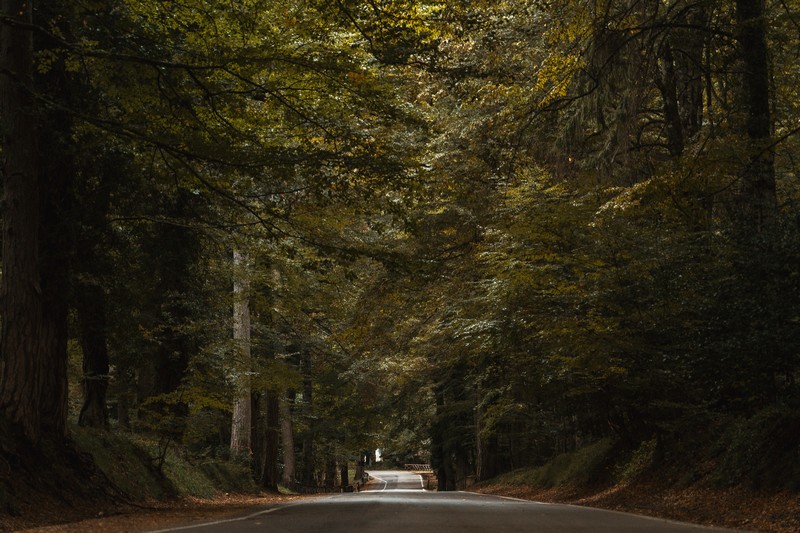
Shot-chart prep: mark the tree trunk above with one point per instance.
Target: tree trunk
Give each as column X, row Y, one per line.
column 20, row 392
column 344, row 474
column 361, row 465
column 287, row 439
column 440, row 460
column 758, row 199
column 242, row 415
column 669, row 96
column 270, row 477
column 33, row 382
column 330, row 471
column 90, row 307
column 257, row 437
column 486, row 461
column 124, row 410
column 309, row 453
column 90, row 276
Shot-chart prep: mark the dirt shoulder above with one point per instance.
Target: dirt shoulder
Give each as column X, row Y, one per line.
column 146, row 517
column 734, row 508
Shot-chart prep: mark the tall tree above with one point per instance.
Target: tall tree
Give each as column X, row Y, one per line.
column 242, row 363
column 37, row 229
column 24, row 360
column 287, row 438
column 758, row 192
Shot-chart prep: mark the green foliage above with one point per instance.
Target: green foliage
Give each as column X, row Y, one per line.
column 641, row 461
column 761, row 451
column 127, row 461
column 500, row 230
column 590, row 273
column 584, row 466
column 126, row 464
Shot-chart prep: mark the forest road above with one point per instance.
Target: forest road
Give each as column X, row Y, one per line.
column 396, row 502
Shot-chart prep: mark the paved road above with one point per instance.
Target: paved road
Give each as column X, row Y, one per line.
column 396, row 502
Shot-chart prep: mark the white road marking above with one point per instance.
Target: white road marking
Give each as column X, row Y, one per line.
column 218, row 522
column 385, row 483
column 502, row 497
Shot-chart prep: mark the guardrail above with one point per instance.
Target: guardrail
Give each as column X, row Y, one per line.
column 418, row 467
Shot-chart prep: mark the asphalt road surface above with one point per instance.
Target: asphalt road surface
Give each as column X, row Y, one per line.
column 396, row 502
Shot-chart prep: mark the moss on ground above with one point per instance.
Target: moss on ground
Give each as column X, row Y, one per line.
column 130, row 463
column 584, row 466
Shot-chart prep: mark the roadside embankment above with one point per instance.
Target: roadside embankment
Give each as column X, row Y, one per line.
column 642, row 481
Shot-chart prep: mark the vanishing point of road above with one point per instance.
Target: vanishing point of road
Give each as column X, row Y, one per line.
column 395, row 501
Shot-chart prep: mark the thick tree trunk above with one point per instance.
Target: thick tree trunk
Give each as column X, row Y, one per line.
column 36, row 243
column 270, row 477
column 330, row 471
column 287, row 439
column 20, row 382
column 361, row 465
column 242, row 415
column 55, row 252
column 308, row 473
column 758, row 199
column 463, row 470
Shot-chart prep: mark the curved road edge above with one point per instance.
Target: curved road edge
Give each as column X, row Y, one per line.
column 655, row 517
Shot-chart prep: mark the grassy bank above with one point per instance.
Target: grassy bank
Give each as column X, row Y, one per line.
column 741, row 474
column 144, row 468
column 101, row 473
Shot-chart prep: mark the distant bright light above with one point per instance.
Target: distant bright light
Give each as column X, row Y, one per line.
column 378, row 457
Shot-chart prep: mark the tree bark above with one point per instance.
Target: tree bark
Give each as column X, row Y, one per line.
column 20, row 394
column 669, row 95
column 269, row 477
column 242, row 415
column 758, row 198
column 36, row 244
column 308, row 476
column 344, row 474
column 287, row 439
column 440, row 459
column 90, row 307
column 330, row 471
column 486, row 463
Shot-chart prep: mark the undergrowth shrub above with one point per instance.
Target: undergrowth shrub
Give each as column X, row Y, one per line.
column 762, row 451
column 587, row 465
column 129, row 462
column 641, row 460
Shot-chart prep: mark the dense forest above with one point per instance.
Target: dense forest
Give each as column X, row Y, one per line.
column 474, row 233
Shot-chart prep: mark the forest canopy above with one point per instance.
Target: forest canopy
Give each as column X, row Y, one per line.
column 478, row 234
